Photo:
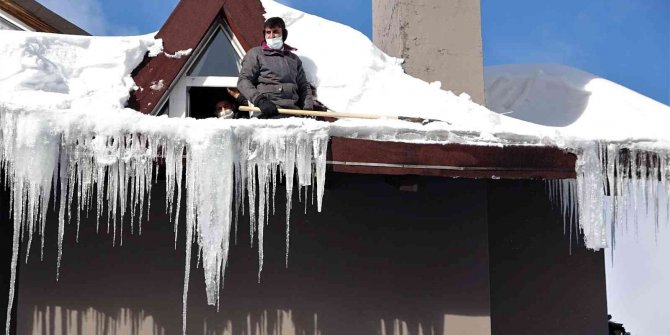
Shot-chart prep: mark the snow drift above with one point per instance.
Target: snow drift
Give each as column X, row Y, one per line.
column 578, row 103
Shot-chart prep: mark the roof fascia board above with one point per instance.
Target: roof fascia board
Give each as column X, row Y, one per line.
column 450, row 160
column 27, row 17
column 14, row 21
column 59, row 23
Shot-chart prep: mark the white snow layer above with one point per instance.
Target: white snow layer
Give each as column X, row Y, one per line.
column 66, row 136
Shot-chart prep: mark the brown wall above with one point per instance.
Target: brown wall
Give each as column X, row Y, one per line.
column 440, row 40
column 537, row 286
column 374, row 253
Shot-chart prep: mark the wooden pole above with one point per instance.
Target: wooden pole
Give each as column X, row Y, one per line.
column 299, row 112
column 337, row 115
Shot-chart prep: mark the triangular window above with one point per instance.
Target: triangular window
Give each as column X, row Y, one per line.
column 211, row 69
column 218, row 58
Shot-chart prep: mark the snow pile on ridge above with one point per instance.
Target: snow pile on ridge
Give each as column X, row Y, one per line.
column 579, row 103
column 66, row 137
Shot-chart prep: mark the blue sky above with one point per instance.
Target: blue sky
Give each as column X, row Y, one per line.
column 626, row 41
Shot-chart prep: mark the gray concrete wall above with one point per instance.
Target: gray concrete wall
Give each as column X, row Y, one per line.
column 440, row 40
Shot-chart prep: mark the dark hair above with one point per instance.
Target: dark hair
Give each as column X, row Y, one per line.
column 224, row 103
column 276, row 22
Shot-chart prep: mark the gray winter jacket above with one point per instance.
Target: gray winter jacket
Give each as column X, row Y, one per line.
column 277, row 75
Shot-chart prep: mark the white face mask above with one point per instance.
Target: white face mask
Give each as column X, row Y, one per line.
column 226, row 114
column 275, row 43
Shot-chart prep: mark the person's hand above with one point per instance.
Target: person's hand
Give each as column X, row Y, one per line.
column 233, row 91
column 268, row 109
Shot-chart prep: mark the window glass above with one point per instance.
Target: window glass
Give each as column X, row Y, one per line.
column 165, row 110
column 219, row 58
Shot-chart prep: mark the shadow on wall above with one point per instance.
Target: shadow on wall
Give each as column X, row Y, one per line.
column 60, row 321
column 310, row 68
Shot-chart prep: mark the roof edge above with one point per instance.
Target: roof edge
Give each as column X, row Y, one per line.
column 40, row 18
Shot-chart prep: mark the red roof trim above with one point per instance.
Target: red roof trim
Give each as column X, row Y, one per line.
column 184, row 29
column 450, row 160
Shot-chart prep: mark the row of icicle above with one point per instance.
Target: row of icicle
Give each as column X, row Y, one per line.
column 227, row 164
column 617, row 184
column 113, row 173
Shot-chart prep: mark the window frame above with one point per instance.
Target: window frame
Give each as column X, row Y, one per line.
column 178, row 96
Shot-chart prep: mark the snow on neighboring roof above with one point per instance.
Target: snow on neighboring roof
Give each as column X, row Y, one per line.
column 579, row 103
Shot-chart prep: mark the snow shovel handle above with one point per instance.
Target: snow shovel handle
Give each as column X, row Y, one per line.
column 337, row 115
column 299, row 112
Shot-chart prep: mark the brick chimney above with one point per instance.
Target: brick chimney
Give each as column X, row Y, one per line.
column 440, row 40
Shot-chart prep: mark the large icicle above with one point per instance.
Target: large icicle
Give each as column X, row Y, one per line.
column 615, row 182
column 209, row 176
column 289, row 150
column 590, row 183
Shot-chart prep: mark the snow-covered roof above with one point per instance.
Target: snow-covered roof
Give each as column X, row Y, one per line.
column 359, row 78
column 580, row 104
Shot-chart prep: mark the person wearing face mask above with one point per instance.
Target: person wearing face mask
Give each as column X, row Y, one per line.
column 225, row 110
column 228, row 109
column 272, row 76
